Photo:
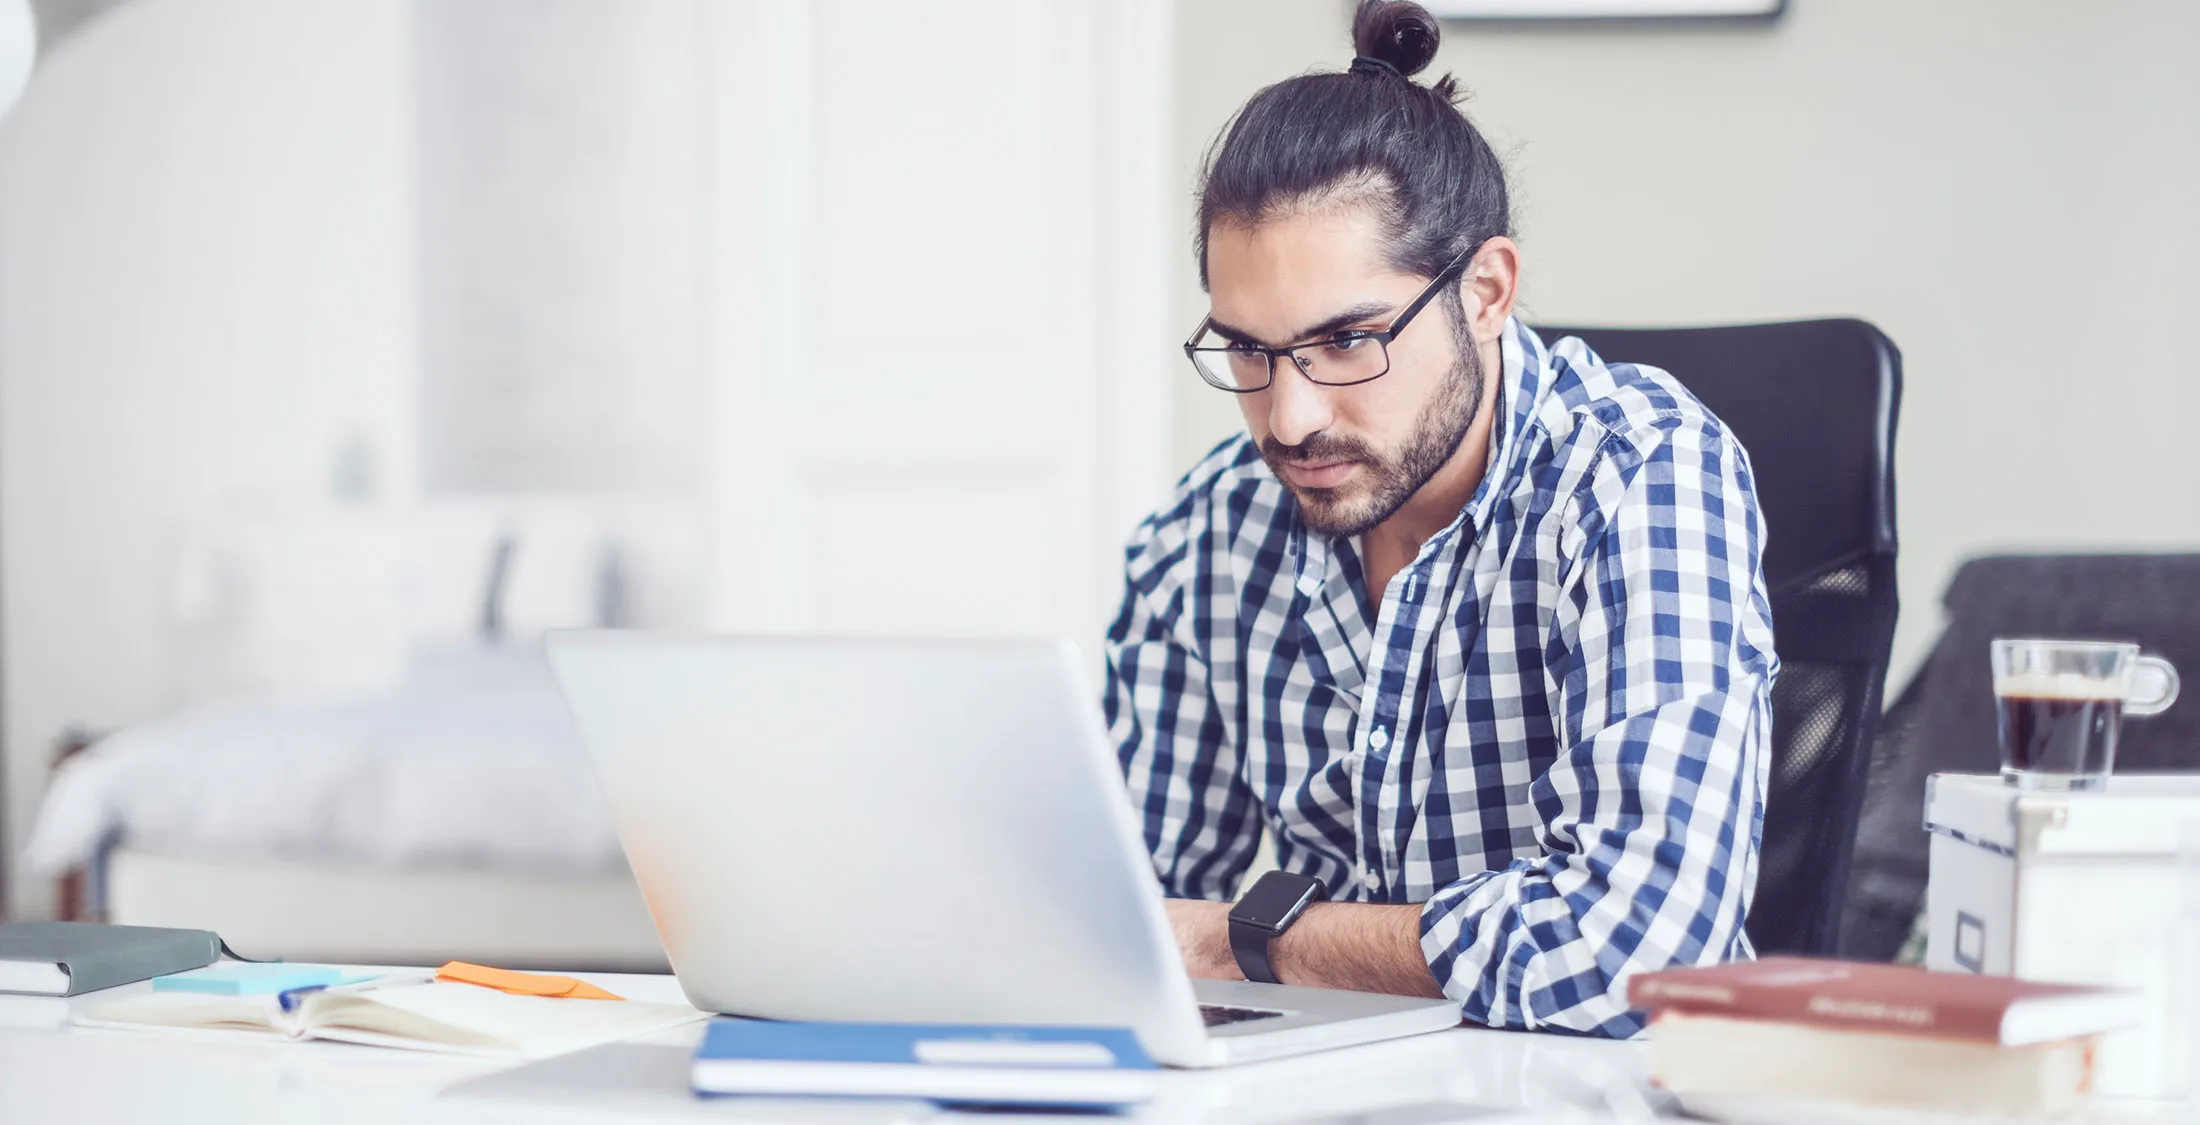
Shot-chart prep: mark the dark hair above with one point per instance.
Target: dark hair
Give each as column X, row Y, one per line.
column 1373, row 129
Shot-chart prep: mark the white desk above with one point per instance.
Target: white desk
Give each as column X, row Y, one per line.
column 52, row 1073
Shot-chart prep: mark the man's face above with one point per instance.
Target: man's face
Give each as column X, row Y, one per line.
column 1352, row 456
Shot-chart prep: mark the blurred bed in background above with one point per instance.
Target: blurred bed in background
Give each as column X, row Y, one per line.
column 382, row 770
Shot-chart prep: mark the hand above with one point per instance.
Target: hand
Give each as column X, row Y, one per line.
column 1203, row 937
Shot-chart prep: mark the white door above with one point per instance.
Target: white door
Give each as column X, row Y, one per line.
column 936, row 310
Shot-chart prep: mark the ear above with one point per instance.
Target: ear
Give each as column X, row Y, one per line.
column 1489, row 286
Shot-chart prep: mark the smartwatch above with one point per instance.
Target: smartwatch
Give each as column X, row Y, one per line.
column 1263, row 913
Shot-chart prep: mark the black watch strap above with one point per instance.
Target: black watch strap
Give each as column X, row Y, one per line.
column 1249, row 944
column 1275, row 901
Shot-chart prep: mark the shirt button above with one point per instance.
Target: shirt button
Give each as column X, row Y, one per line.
column 1367, row 878
column 1378, row 738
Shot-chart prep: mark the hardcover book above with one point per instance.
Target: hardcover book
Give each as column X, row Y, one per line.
column 1749, row 1070
column 66, row 958
column 1854, row 996
column 1796, row 1039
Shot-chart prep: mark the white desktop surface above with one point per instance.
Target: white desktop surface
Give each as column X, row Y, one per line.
column 91, row 1075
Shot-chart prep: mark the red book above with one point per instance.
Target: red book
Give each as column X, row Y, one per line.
column 1854, row 996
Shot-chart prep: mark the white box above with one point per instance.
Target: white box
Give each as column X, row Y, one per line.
column 2088, row 888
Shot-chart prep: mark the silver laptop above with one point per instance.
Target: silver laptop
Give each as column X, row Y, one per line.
column 906, row 831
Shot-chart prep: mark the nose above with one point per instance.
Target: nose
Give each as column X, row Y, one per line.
column 1298, row 407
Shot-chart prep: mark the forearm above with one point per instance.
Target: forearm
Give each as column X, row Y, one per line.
column 1365, row 947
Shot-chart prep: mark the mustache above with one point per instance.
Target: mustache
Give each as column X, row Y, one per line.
column 1318, row 448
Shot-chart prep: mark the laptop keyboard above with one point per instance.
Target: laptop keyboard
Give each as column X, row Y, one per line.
column 1217, row 1015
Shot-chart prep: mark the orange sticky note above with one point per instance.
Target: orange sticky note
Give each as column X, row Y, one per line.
column 525, row 984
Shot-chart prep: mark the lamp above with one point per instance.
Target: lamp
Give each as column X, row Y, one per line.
column 29, row 29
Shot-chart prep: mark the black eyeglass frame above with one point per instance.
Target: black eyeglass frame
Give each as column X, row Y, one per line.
column 1382, row 338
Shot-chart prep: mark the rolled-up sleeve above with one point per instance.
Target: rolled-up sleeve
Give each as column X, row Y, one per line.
column 1649, row 817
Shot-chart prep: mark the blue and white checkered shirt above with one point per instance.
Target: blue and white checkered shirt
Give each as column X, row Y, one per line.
column 1553, row 733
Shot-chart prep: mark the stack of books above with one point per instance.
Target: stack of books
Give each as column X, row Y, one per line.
column 1791, row 1038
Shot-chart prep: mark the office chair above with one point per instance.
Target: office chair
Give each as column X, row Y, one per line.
column 1814, row 403
column 1944, row 718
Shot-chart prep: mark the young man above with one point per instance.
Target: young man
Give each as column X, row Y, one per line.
column 1473, row 627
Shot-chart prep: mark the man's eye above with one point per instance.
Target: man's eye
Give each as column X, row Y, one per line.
column 1349, row 342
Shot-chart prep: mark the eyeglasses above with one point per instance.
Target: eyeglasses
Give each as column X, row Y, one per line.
column 1243, row 367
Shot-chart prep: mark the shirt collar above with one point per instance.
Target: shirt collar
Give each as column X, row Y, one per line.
column 1523, row 365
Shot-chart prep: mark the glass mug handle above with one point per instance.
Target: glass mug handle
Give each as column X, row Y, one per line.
column 2161, row 675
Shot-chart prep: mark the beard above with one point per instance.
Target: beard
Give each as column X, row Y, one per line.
column 1386, row 481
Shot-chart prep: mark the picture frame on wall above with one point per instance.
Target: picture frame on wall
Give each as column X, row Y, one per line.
column 1606, row 9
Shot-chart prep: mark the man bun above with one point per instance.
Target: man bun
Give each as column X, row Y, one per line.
column 1399, row 145
column 1397, row 32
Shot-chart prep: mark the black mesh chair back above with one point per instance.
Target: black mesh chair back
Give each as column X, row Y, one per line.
column 1944, row 718
column 1814, row 403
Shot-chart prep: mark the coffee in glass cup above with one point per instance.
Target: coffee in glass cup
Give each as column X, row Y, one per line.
column 2060, row 707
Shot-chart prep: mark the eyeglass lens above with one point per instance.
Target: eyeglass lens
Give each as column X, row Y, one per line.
column 1349, row 359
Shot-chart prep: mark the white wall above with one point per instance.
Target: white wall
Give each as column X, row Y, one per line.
column 206, row 281
column 2006, row 187
column 936, row 310
column 561, row 229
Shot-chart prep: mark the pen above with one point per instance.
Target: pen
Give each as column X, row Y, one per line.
column 290, row 998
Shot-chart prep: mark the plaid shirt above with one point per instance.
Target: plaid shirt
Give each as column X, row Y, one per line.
column 1552, row 733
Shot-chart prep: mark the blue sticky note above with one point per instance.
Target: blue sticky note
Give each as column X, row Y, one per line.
column 245, row 979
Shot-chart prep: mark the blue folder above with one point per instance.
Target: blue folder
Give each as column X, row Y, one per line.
column 1041, row 1067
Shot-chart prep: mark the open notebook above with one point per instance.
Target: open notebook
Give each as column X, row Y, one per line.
column 458, row 1018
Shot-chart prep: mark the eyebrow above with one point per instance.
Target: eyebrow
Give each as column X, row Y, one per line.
column 1366, row 310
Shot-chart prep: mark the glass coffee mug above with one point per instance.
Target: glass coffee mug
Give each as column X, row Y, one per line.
column 2061, row 705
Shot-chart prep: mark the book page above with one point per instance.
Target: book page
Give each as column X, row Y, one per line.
column 257, row 1015
column 469, row 1019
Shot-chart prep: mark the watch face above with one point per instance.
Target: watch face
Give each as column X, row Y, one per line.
column 1274, row 899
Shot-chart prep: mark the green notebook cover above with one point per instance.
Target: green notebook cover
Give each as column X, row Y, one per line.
column 96, row 956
